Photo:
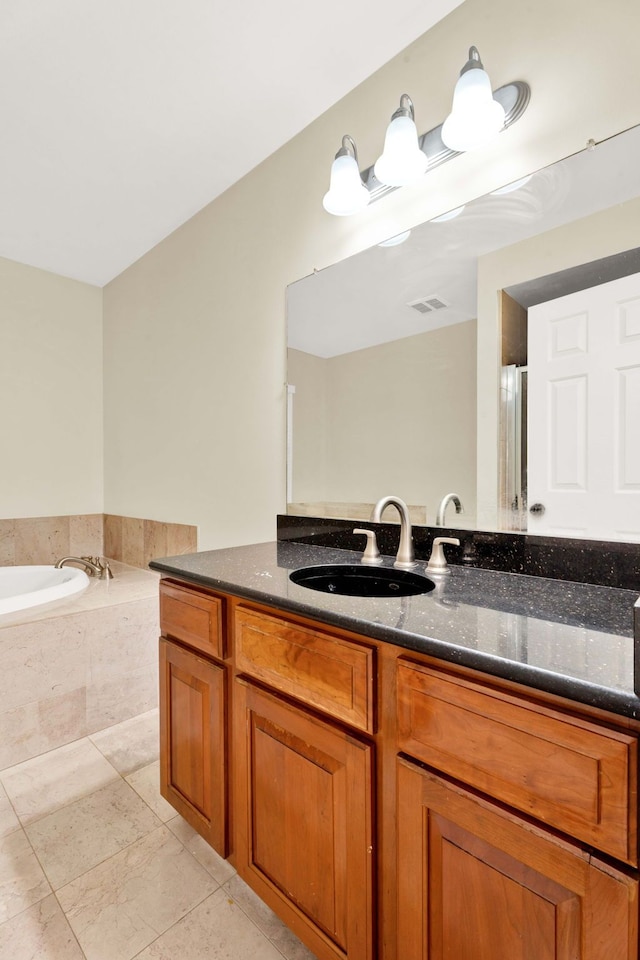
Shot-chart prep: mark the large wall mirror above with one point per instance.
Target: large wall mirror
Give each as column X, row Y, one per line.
column 493, row 353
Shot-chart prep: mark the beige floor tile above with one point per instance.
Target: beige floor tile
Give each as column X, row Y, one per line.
column 221, row 870
column 121, row 906
column 39, row 933
column 146, row 782
column 39, row 786
column 83, row 834
column 8, row 820
column 22, row 882
column 215, row 930
column 264, row 918
column 131, row 744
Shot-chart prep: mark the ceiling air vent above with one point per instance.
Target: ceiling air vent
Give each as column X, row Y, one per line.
column 429, row 304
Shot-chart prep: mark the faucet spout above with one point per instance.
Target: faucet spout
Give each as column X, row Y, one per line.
column 405, row 558
column 94, row 566
column 444, row 503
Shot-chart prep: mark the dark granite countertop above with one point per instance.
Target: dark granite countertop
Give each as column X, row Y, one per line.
column 572, row 639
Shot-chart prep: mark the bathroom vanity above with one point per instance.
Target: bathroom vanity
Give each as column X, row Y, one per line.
column 447, row 775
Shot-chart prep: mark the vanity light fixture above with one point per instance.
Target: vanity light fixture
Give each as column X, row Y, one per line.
column 347, row 193
column 402, row 161
column 477, row 114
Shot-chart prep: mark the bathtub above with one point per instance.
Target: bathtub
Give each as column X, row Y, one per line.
column 23, row 587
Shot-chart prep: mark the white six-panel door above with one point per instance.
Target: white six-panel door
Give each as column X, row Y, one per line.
column 584, row 413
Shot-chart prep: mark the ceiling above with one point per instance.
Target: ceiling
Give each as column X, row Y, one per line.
column 121, row 119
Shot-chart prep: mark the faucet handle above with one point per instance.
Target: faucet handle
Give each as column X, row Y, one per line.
column 371, row 553
column 437, row 561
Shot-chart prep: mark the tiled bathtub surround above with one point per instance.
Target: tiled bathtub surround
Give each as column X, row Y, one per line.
column 136, row 541
column 130, row 540
column 46, row 539
column 76, row 666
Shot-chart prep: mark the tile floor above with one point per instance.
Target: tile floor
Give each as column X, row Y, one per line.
column 95, row 864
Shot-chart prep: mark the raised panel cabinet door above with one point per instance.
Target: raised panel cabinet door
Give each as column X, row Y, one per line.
column 571, row 774
column 192, row 741
column 303, row 822
column 477, row 882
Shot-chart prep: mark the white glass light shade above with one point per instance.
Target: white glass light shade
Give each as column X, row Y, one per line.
column 475, row 116
column 402, row 160
column 347, row 193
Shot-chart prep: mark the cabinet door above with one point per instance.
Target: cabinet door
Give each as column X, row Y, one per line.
column 192, row 740
column 303, row 822
column 477, row 882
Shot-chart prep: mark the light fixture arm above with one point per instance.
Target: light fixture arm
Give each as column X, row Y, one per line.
column 474, row 62
column 405, row 109
column 348, row 148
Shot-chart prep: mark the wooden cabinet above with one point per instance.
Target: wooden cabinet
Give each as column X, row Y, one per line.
column 303, row 821
column 477, row 882
column 476, row 879
column 193, row 750
column 388, row 806
column 566, row 771
column 192, row 618
column 315, row 666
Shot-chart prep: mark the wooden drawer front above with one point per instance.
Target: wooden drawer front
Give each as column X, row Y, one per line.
column 569, row 773
column 329, row 673
column 191, row 617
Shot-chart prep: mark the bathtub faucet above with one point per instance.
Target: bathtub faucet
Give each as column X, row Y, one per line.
column 93, row 565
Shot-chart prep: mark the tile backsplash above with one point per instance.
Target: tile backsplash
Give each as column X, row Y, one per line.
column 607, row 563
column 136, row 541
column 32, row 540
column 47, row 539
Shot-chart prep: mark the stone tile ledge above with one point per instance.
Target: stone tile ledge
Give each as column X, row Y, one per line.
column 128, row 585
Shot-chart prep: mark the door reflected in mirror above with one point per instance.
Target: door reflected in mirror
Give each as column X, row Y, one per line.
column 417, row 367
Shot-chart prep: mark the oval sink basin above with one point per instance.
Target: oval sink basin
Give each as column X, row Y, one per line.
column 355, row 580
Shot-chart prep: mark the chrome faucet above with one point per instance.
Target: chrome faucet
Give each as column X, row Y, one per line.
column 93, row 565
column 405, row 556
column 444, row 503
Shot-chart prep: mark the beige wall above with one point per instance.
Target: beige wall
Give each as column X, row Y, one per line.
column 590, row 238
column 398, row 419
column 50, row 394
column 195, row 331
